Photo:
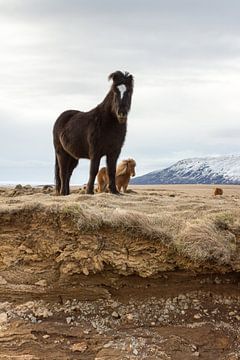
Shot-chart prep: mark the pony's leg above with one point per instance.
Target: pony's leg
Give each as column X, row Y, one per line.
column 125, row 183
column 101, row 185
column 125, row 187
column 111, row 166
column 119, row 187
column 94, row 166
column 100, row 181
column 103, row 181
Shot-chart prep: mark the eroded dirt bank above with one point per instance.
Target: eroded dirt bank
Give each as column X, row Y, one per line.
column 100, row 277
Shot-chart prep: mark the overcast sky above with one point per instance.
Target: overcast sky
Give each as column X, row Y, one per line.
column 57, row 55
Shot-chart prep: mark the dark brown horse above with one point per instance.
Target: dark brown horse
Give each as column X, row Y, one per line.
column 93, row 134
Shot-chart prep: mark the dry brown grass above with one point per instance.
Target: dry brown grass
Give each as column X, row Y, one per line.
column 202, row 241
column 196, row 224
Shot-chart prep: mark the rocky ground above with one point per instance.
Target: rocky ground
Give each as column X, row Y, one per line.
column 54, row 304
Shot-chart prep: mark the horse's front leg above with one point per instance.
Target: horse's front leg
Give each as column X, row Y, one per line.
column 111, row 166
column 94, row 166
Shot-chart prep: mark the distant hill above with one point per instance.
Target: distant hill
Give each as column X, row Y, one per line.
column 208, row 170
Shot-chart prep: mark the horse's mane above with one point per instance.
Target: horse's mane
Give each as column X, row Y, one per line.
column 119, row 77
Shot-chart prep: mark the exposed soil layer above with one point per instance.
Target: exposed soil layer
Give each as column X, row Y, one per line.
column 115, row 290
column 109, row 316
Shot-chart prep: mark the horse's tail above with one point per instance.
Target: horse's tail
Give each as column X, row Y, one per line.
column 57, row 177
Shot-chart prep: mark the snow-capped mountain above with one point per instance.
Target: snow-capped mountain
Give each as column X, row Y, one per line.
column 209, row 170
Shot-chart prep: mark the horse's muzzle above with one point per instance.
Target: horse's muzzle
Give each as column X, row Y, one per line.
column 122, row 118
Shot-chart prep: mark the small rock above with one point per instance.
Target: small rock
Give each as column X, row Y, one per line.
column 3, row 318
column 196, row 353
column 47, row 187
column 197, row 316
column 81, row 347
column 41, row 283
column 18, row 187
column 182, row 297
column 94, row 324
column 135, row 352
column 33, row 319
column 129, row 317
column 114, row 305
column 3, row 281
column 107, row 345
column 69, row 320
column 115, row 315
column 194, row 348
column 85, row 271
column 46, row 336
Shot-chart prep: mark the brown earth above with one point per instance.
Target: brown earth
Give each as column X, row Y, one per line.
column 153, row 274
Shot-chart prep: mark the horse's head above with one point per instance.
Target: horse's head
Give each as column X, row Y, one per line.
column 122, row 88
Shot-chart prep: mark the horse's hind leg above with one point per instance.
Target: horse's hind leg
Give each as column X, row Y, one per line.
column 57, row 177
column 72, row 163
column 66, row 165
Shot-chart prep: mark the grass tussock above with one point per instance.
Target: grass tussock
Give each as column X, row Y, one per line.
column 203, row 241
column 132, row 222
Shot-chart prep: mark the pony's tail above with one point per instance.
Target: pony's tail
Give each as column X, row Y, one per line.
column 57, row 177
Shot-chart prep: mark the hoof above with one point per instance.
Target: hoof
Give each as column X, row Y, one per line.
column 115, row 192
column 90, row 192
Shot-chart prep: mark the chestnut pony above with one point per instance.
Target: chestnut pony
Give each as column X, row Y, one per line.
column 93, row 134
column 124, row 171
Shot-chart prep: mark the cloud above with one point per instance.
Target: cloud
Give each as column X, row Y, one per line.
column 56, row 55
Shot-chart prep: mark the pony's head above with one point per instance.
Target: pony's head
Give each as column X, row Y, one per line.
column 126, row 167
column 122, row 88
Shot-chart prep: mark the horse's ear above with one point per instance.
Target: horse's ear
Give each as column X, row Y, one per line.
column 130, row 80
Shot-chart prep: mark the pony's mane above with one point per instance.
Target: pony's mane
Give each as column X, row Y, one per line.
column 123, row 166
